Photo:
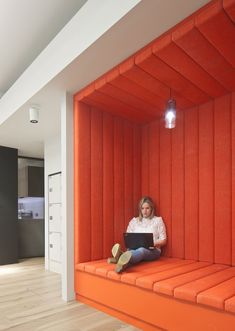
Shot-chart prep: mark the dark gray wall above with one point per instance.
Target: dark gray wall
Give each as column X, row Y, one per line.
column 8, row 205
column 35, row 181
column 31, row 238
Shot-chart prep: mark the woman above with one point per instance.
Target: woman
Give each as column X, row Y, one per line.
column 146, row 222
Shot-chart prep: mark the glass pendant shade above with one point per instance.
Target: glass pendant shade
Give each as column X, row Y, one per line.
column 170, row 114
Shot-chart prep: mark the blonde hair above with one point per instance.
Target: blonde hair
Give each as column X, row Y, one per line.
column 149, row 201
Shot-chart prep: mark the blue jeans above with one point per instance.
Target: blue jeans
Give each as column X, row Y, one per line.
column 144, row 254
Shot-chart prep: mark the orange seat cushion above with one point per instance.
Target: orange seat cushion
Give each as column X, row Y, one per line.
column 199, row 282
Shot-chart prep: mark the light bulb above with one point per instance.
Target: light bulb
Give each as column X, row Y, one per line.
column 170, row 114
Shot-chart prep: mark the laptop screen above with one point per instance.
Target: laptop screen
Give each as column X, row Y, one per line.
column 135, row 240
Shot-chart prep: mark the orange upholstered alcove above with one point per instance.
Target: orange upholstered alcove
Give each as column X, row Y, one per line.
column 122, row 151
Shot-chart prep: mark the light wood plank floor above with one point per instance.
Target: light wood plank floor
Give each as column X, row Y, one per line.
column 30, row 299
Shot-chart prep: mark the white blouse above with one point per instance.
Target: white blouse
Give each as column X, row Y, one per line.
column 154, row 225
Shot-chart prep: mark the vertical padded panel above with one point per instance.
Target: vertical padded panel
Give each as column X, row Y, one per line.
column 136, row 167
column 76, row 184
column 145, row 160
column 128, row 172
column 83, row 194
column 165, row 183
column 206, row 183
column 191, row 184
column 154, row 146
column 233, row 176
column 178, row 187
column 96, row 185
column 119, row 224
column 108, row 184
column 222, row 180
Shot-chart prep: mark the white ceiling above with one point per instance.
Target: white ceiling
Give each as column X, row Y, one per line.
column 36, row 22
column 26, row 28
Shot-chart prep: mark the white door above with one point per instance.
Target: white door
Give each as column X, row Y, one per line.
column 54, row 217
column 55, row 246
column 55, row 188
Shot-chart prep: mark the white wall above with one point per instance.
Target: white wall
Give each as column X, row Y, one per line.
column 52, row 164
column 67, row 197
column 58, row 153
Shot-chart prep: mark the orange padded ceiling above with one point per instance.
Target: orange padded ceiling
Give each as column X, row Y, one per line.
column 193, row 63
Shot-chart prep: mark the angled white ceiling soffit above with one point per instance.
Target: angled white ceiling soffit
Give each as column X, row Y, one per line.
column 89, row 24
column 26, row 28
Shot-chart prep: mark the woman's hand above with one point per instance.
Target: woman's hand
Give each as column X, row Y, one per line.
column 160, row 243
column 157, row 246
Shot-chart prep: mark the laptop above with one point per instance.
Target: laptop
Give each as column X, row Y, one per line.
column 134, row 240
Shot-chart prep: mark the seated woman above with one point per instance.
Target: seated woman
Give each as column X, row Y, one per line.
column 146, row 222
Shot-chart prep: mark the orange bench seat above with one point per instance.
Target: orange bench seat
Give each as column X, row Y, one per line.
column 199, row 282
column 200, row 285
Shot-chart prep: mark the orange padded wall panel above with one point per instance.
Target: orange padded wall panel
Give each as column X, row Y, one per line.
column 206, row 182
column 76, row 182
column 82, row 202
column 154, row 164
column 108, row 184
column 119, row 203
column 191, row 178
column 178, row 170
column 128, row 173
column 233, row 177
column 145, row 157
column 191, row 183
column 222, row 148
column 107, row 180
column 136, row 167
column 165, row 183
column 189, row 172
column 96, row 184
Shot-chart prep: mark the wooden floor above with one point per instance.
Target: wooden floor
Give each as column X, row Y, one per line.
column 30, row 299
